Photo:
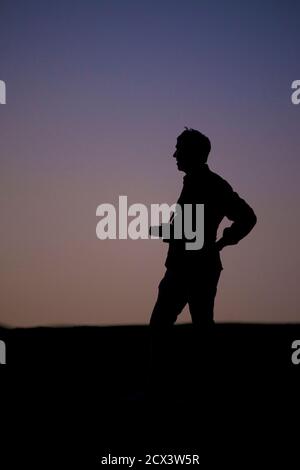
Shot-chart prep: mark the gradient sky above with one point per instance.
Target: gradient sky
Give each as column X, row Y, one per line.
column 97, row 92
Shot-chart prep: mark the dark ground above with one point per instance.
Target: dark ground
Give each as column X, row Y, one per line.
column 75, row 394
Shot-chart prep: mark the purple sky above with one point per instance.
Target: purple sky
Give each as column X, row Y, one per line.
column 97, row 92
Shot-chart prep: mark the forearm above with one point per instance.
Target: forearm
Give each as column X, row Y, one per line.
column 237, row 231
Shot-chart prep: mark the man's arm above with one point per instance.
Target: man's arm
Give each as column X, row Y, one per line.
column 158, row 231
column 242, row 215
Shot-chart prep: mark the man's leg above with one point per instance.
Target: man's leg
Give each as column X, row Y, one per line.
column 201, row 297
column 202, row 289
column 172, row 298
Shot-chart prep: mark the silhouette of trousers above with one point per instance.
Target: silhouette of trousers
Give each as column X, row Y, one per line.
column 179, row 287
column 195, row 287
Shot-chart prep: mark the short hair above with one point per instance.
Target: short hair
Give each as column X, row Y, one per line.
column 198, row 143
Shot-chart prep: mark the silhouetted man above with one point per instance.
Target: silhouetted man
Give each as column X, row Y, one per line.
column 192, row 275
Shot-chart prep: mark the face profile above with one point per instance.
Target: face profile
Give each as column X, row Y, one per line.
column 180, row 155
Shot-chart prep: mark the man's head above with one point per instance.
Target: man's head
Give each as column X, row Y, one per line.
column 192, row 150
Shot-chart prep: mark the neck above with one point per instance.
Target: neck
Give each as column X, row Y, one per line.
column 196, row 168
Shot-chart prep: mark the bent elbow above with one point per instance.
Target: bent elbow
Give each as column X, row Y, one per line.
column 252, row 219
